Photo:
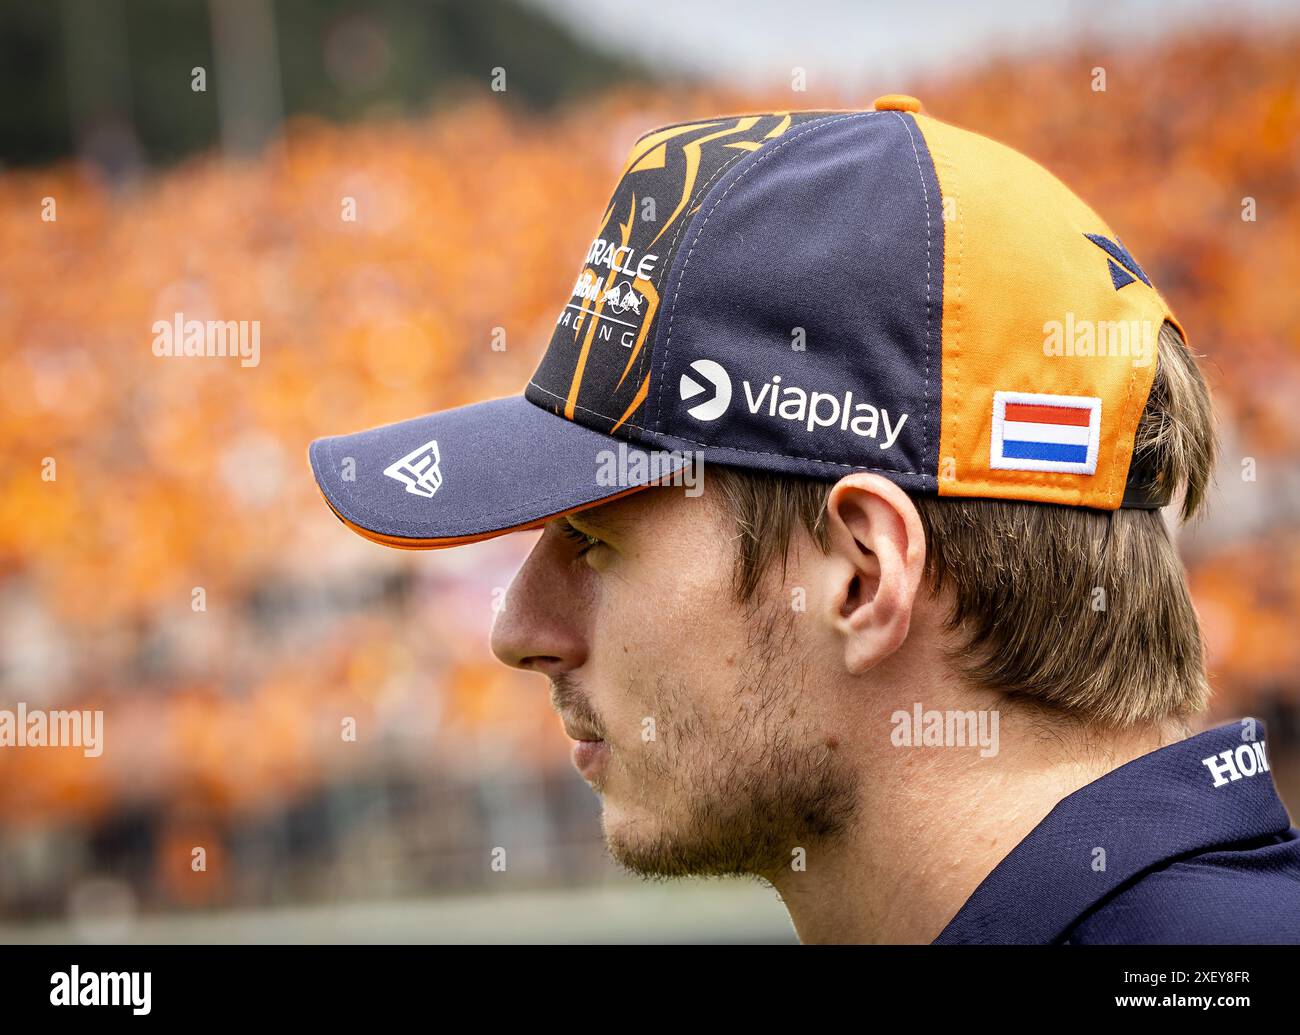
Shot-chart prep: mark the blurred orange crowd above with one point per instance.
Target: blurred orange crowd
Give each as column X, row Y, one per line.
column 174, row 476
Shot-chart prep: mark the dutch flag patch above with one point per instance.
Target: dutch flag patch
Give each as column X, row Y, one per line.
column 1034, row 432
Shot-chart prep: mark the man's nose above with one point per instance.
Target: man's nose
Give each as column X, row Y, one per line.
column 540, row 628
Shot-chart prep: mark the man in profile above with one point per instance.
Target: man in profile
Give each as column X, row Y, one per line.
column 922, row 654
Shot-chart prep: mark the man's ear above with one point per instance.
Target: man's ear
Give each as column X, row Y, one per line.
column 874, row 567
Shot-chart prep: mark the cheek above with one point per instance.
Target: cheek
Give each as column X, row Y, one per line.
column 667, row 641
column 648, row 608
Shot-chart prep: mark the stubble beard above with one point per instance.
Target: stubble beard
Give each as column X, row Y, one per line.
column 738, row 797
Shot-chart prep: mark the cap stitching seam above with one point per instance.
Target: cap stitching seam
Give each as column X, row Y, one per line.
column 672, row 313
column 925, row 194
column 952, row 290
column 957, row 309
column 1115, row 451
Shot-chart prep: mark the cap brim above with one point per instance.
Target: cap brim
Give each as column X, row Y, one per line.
column 475, row 472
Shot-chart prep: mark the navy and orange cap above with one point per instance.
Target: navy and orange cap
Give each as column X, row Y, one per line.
column 815, row 293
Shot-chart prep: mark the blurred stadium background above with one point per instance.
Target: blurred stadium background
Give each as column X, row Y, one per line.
column 223, row 725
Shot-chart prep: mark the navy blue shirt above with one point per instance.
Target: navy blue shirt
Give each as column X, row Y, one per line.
column 1187, row 845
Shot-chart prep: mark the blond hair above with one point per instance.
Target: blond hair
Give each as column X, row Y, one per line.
column 1076, row 609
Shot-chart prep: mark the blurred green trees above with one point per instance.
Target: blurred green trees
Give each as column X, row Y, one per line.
column 113, row 79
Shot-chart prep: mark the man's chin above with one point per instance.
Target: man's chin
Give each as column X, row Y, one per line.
column 634, row 838
column 642, row 843
column 646, row 859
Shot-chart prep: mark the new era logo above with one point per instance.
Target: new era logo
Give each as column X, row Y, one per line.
column 1033, row 432
column 418, row 470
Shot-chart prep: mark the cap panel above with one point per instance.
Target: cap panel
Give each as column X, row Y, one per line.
column 802, row 324
column 597, row 366
column 1049, row 332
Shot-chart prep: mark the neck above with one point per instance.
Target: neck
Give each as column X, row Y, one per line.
column 933, row 822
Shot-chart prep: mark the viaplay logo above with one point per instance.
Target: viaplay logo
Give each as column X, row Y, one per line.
column 814, row 410
column 713, row 374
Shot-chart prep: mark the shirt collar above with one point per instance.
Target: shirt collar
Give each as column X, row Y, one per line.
column 1208, row 790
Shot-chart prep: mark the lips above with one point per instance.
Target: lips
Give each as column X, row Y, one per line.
column 590, row 752
column 590, row 757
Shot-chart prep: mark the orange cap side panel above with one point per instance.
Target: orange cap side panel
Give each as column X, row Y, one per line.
column 1030, row 306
